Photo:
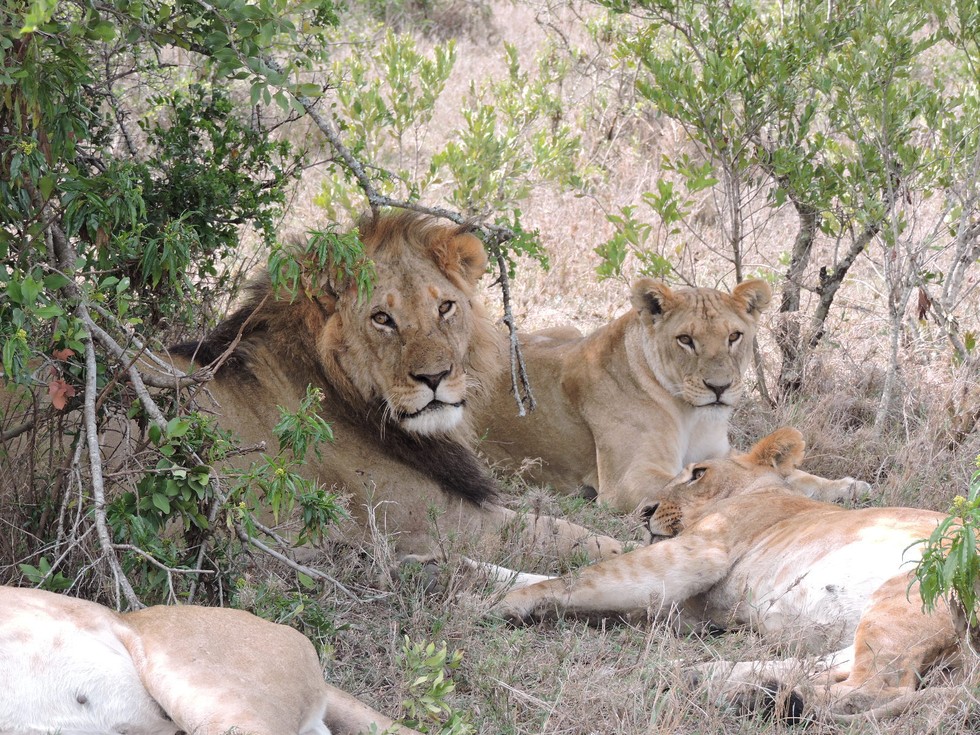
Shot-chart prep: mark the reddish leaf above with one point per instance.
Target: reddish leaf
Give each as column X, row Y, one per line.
column 59, row 391
column 63, row 354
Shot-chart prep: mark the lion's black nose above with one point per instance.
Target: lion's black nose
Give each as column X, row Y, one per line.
column 431, row 379
column 718, row 390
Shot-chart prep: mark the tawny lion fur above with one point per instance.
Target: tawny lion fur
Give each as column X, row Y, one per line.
column 738, row 546
column 622, row 410
column 72, row 666
column 399, row 371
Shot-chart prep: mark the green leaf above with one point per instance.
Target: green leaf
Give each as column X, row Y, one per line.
column 177, row 427
column 55, row 281
column 161, row 502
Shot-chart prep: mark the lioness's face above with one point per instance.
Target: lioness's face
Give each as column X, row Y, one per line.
column 701, row 485
column 409, row 343
column 698, row 341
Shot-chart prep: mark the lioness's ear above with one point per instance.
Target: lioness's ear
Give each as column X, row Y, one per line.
column 754, row 294
column 652, row 296
column 782, row 449
column 463, row 254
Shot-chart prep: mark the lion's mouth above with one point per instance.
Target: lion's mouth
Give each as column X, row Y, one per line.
column 433, row 405
column 715, row 404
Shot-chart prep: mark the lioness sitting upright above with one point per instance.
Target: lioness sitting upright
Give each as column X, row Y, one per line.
column 736, row 545
column 623, row 409
column 399, row 371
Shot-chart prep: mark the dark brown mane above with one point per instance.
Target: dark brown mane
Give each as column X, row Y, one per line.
column 245, row 321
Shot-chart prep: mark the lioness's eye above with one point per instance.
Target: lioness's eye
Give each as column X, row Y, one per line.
column 382, row 318
column 447, row 307
column 734, row 337
column 686, row 340
column 697, row 473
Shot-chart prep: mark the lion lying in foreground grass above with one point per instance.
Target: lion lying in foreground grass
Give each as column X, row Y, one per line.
column 72, row 666
column 733, row 544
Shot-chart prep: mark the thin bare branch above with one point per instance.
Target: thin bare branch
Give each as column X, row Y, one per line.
column 95, row 464
column 16, row 431
column 296, row 566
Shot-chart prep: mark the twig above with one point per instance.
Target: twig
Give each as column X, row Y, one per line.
column 158, row 564
column 13, row 433
column 539, row 703
column 63, row 509
column 95, row 463
column 302, row 568
column 120, row 353
column 518, row 369
column 183, row 379
column 57, row 562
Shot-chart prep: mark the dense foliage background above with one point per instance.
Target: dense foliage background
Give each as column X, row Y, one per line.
column 153, row 153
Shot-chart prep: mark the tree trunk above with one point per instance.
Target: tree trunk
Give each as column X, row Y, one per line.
column 788, row 326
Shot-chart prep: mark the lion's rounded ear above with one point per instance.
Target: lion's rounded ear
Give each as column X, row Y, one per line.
column 783, row 449
column 464, row 254
column 755, row 294
column 652, row 296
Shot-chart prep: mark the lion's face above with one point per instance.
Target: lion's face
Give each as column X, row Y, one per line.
column 698, row 342
column 702, row 484
column 422, row 339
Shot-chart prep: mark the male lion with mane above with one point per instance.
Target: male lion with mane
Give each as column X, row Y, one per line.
column 399, row 372
column 622, row 410
column 734, row 544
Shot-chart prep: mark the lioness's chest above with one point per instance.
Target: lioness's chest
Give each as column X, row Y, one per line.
column 706, row 433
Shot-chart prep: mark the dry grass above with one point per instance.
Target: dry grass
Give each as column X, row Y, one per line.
column 562, row 676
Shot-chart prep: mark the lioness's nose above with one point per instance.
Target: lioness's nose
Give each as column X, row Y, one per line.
column 718, row 389
column 431, row 379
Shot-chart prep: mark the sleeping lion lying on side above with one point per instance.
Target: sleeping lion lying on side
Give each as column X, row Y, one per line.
column 734, row 545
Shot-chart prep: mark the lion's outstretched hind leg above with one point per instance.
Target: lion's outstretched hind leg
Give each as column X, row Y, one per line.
column 896, row 644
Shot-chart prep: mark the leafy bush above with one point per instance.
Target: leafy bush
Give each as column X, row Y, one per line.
column 950, row 564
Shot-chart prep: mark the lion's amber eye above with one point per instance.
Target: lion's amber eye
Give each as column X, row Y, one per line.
column 447, row 307
column 383, row 319
column 734, row 337
column 697, row 473
column 686, row 340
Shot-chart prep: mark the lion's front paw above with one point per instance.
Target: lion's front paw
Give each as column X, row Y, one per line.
column 861, row 489
column 599, row 548
column 853, row 490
